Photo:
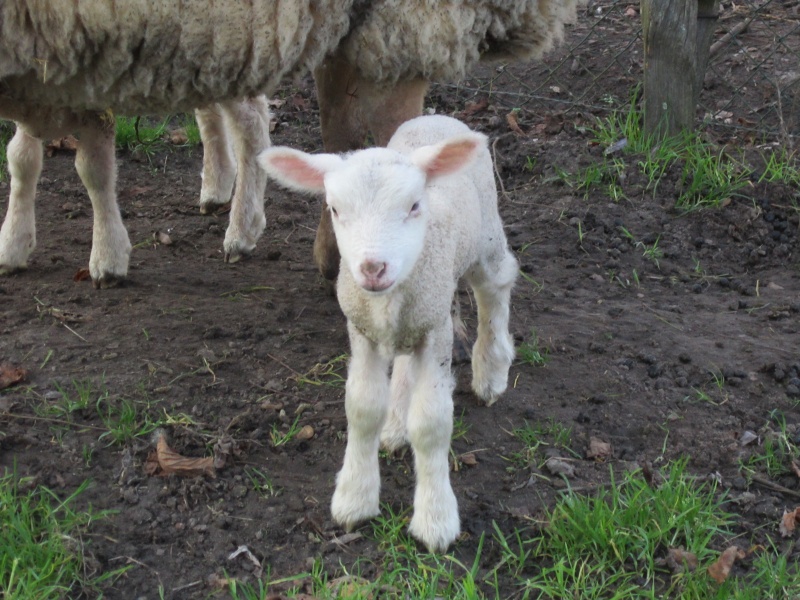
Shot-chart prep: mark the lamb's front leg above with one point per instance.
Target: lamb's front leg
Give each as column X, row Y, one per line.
column 96, row 166
column 356, row 498
column 395, row 431
column 248, row 122
column 219, row 168
column 18, row 234
column 430, row 427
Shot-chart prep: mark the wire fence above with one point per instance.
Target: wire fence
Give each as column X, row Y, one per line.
column 751, row 89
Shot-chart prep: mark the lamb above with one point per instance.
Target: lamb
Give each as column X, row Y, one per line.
column 411, row 220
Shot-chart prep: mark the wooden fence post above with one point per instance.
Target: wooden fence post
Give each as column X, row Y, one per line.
column 676, row 46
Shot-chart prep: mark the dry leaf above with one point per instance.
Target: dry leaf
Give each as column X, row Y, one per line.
column 679, row 560
column 178, row 137
column 250, row 556
column 165, row 461
column 305, row 434
column 299, row 102
column 511, row 119
column 162, row 238
column 69, row 143
column 474, row 107
column 10, row 375
column 468, row 459
column 789, row 522
column 559, row 466
column 82, row 275
column 349, row 586
column 720, row 570
column 598, row 449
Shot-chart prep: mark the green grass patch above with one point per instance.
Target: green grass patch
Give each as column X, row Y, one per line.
column 41, row 545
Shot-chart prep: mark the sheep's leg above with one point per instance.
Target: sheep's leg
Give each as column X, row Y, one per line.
column 395, row 431
column 366, row 398
column 96, row 166
column 494, row 347
column 219, row 168
column 350, row 108
column 248, row 122
column 18, row 234
column 430, row 427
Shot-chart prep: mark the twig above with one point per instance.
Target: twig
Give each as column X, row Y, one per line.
column 51, row 420
column 496, row 172
column 774, row 486
column 280, row 362
column 75, row 332
column 735, row 30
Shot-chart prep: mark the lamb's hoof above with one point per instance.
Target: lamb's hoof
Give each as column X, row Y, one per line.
column 350, row 514
column 107, row 281
column 437, row 531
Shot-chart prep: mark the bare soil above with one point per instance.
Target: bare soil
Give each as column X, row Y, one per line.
column 666, row 354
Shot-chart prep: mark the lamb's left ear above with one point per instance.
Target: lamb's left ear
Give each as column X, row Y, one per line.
column 298, row 170
column 448, row 156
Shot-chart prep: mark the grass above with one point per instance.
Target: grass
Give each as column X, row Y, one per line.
column 330, row 373
column 610, row 544
column 536, row 437
column 531, row 353
column 707, row 175
column 41, row 547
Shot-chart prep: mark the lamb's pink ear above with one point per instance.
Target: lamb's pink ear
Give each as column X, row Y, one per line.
column 298, row 170
column 448, row 156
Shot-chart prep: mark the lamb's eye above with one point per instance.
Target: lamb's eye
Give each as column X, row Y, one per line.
column 334, row 211
column 414, row 208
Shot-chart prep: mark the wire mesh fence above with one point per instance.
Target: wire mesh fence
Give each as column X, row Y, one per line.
column 751, row 89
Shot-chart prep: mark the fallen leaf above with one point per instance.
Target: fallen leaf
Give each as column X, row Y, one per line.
column 598, row 449
column 748, row 437
column 559, row 466
column 165, row 461
column 474, row 107
column 10, row 375
column 679, row 560
column 511, row 119
column 81, row 275
column 162, row 238
column 299, row 102
column 69, row 143
column 789, row 521
column 178, row 137
column 250, row 556
column 720, row 570
column 631, row 12
column 305, row 434
column 469, row 459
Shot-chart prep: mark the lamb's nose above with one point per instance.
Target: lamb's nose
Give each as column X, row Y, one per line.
column 373, row 269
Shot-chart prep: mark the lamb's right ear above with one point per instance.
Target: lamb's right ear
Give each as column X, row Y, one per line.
column 449, row 156
column 298, row 170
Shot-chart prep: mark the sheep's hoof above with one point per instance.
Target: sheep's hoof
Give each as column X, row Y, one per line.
column 109, row 280
column 11, row 270
column 214, row 208
column 234, row 257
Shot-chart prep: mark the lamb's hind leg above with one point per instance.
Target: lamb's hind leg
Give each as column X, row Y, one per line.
column 18, row 234
column 219, row 168
column 395, row 431
column 494, row 348
column 366, row 398
column 96, row 166
column 248, row 122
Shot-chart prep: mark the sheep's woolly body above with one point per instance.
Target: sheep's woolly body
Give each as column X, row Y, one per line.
column 151, row 56
column 400, row 39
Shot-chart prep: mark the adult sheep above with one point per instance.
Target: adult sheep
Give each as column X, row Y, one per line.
column 65, row 66
column 70, row 66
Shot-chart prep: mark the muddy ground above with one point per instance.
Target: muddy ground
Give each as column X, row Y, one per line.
column 673, row 341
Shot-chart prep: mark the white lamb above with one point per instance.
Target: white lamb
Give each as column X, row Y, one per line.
column 410, row 221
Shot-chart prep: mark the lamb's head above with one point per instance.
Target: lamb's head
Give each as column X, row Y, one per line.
column 378, row 200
